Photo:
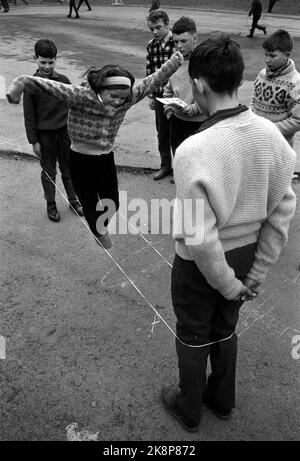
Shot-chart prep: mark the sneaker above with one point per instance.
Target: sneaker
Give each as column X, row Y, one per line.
column 52, row 212
column 76, row 208
column 169, row 395
column 103, row 240
column 221, row 414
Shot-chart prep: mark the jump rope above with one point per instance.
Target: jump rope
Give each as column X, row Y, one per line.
column 157, row 314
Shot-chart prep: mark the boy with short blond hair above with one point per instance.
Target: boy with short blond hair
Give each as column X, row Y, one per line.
column 277, row 86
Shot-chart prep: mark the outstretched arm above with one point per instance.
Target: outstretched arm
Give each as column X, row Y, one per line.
column 69, row 93
column 158, row 78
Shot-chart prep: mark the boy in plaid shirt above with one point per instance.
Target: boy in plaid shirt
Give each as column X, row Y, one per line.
column 159, row 50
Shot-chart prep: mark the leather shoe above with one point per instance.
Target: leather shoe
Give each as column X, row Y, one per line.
column 103, row 240
column 161, row 174
column 221, row 414
column 52, row 212
column 169, row 396
column 76, row 208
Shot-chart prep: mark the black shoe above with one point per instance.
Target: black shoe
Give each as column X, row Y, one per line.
column 77, row 17
column 52, row 212
column 103, row 240
column 69, row 16
column 172, row 180
column 250, row 36
column 265, row 30
column 161, row 174
column 76, row 207
column 169, row 396
column 221, row 414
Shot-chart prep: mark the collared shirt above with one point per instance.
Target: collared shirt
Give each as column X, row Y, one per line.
column 158, row 52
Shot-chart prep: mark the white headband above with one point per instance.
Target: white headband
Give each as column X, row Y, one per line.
column 118, row 80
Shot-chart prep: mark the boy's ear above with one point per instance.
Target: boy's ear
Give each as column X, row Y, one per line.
column 199, row 85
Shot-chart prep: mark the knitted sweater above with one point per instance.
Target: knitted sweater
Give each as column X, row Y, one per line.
column 277, row 98
column 43, row 112
column 178, row 86
column 92, row 125
column 240, row 169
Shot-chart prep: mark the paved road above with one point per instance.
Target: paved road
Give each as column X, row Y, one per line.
column 15, row 59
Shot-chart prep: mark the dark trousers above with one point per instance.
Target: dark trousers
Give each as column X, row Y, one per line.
column 163, row 136
column 5, row 5
column 203, row 316
column 81, row 2
column 55, row 146
column 95, row 178
column 72, row 5
column 181, row 130
column 255, row 24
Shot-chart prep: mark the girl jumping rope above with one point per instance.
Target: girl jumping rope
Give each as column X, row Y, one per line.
column 96, row 111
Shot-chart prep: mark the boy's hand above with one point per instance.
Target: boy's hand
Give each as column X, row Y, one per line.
column 151, row 103
column 188, row 111
column 36, row 147
column 246, row 294
column 179, row 56
column 252, row 285
column 169, row 113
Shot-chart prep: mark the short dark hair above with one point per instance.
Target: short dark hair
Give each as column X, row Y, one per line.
column 220, row 62
column 184, row 24
column 96, row 77
column 280, row 40
column 45, row 48
column 157, row 15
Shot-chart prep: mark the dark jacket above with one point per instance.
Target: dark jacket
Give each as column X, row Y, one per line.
column 43, row 112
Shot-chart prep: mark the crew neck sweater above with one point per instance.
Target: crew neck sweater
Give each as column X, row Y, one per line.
column 277, row 98
column 43, row 112
column 240, row 169
column 179, row 86
column 92, row 125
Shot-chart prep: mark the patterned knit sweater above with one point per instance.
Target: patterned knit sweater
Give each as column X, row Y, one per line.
column 240, row 169
column 277, row 98
column 92, row 125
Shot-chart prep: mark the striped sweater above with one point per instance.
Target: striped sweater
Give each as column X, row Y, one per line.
column 277, row 98
column 240, row 169
column 92, row 125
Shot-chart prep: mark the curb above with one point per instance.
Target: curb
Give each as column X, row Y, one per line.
column 15, row 155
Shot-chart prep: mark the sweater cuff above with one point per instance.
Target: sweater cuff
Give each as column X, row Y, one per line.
column 230, row 292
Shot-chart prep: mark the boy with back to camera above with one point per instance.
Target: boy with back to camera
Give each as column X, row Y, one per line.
column 159, row 50
column 277, row 87
column 248, row 203
column 183, row 122
column 45, row 120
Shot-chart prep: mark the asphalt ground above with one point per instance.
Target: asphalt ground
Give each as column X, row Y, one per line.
column 82, row 345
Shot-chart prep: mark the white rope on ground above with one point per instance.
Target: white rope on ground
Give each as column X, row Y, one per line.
column 130, row 280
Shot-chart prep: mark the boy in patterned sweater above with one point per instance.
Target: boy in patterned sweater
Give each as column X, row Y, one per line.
column 277, row 87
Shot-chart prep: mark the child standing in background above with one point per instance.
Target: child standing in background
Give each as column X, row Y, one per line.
column 256, row 10
column 183, row 122
column 45, row 120
column 277, row 87
column 97, row 109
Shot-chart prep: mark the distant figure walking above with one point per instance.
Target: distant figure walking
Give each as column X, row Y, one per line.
column 72, row 5
column 87, row 4
column 271, row 4
column 256, row 10
column 155, row 5
column 24, row 1
column 5, row 6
